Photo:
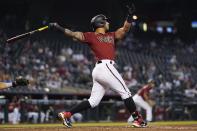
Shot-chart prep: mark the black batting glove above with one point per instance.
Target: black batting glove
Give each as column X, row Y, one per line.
column 131, row 11
column 56, row 26
column 20, row 81
column 53, row 25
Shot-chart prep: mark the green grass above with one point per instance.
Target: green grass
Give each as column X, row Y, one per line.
column 168, row 123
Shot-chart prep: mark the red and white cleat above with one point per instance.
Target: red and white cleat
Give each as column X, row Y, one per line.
column 139, row 123
column 65, row 118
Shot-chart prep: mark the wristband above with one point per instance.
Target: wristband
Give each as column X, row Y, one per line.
column 60, row 28
column 129, row 18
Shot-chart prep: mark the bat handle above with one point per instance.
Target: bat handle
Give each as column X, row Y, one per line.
column 39, row 30
column 32, row 32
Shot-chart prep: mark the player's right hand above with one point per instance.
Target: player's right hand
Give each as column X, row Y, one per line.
column 20, row 81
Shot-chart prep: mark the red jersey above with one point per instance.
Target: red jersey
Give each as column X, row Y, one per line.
column 101, row 44
column 144, row 90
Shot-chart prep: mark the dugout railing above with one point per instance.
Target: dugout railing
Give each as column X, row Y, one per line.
column 110, row 110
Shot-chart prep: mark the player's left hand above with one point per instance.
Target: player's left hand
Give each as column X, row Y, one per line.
column 53, row 25
column 20, row 81
column 131, row 9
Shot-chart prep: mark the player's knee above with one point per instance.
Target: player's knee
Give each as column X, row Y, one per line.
column 125, row 95
column 93, row 102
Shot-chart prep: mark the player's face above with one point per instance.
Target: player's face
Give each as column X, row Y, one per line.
column 107, row 26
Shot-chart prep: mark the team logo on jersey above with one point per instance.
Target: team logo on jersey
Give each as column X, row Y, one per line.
column 106, row 39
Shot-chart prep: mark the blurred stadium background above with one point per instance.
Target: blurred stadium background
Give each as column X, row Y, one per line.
column 161, row 45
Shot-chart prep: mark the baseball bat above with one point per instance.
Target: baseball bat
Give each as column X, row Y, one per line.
column 26, row 34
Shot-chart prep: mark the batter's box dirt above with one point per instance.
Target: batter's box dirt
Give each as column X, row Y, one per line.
column 151, row 128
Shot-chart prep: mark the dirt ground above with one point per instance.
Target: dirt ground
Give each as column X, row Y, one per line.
column 123, row 128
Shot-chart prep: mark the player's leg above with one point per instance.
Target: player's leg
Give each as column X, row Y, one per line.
column 35, row 117
column 42, row 116
column 149, row 114
column 116, row 82
column 96, row 95
column 130, row 119
column 140, row 101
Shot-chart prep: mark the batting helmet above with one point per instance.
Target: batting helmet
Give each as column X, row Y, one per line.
column 98, row 21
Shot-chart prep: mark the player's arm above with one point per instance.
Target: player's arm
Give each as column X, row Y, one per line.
column 75, row 35
column 120, row 33
column 20, row 81
column 146, row 97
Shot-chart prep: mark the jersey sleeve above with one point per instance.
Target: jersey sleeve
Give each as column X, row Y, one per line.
column 87, row 37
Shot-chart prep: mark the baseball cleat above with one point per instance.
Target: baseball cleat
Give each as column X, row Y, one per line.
column 139, row 124
column 65, row 118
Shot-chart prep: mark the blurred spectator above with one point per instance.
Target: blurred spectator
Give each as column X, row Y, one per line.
column 77, row 117
column 151, row 70
column 173, row 60
column 165, row 86
column 50, row 114
column 191, row 92
column 1, row 115
column 33, row 114
column 54, row 81
column 16, row 115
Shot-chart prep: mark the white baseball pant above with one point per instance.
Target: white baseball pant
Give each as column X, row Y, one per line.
column 105, row 76
column 139, row 101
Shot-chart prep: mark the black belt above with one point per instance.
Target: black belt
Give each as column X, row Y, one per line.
column 100, row 61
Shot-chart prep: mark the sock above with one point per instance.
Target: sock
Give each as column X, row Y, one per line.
column 136, row 115
column 80, row 107
column 129, row 103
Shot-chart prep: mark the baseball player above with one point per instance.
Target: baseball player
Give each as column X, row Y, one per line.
column 20, row 81
column 104, row 74
column 143, row 100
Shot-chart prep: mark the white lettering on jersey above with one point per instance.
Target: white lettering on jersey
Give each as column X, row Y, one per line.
column 106, row 39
